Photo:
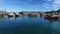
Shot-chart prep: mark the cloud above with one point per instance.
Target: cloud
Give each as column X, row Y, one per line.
column 30, row 0
column 49, row 0
column 55, row 7
column 47, row 4
column 1, row 0
column 10, row 2
column 57, row 2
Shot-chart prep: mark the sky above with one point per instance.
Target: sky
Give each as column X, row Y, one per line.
column 29, row 5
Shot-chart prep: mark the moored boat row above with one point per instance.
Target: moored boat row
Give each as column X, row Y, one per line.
column 51, row 17
column 34, row 14
column 12, row 14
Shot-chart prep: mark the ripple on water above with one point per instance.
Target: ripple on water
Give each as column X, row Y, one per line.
column 28, row 25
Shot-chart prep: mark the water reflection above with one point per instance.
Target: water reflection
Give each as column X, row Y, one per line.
column 55, row 25
column 11, row 18
column 1, row 17
column 29, row 25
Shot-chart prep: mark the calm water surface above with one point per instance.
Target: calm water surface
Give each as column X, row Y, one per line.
column 28, row 25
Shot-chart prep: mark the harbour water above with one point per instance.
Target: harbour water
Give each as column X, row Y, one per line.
column 28, row 25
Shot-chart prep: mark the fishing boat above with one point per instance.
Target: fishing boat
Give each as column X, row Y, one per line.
column 46, row 16
column 32, row 15
column 54, row 17
column 16, row 14
column 10, row 15
column 51, row 17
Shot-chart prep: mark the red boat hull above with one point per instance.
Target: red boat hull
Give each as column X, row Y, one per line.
column 50, row 17
column 54, row 17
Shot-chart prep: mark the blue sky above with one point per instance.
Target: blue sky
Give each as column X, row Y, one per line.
column 29, row 5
